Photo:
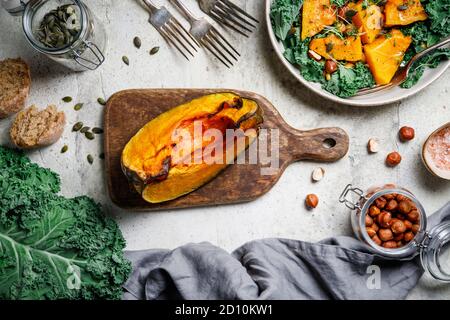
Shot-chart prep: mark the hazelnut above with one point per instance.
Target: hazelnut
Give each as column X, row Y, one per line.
column 393, row 159
column 371, row 232
column 311, row 201
column 384, row 219
column 373, row 146
column 398, row 227
column 413, row 216
column 374, row 211
column 385, row 234
column 390, row 245
column 375, row 227
column 317, row 174
column 369, row 221
column 404, row 206
column 376, row 240
column 390, row 196
column 380, row 202
column 331, row 66
column 401, row 197
column 415, row 228
column 406, row 133
column 391, row 205
column 399, row 244
column 408, row 224
column 399, row 237
column 408, row 236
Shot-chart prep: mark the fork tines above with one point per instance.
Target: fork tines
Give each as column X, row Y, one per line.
column 178, row 36
column 233, row 17
column 218, row 45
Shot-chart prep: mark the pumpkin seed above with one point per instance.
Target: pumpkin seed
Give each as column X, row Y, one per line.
column 64, row 149
column 89, row 135
column 67, row 99
column 77, row 126
column 154, row 50
column 101, row 101
column 126, row 60
column 85, row 129
column 97, row 130
column 102, row 156
column 402, row 7
column 78, row 106
column 329, row 47
column 137, row 42
column 90, row 159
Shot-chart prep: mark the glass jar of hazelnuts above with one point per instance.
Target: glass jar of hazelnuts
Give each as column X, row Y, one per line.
column 393, row 222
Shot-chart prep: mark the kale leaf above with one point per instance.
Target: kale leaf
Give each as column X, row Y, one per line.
column 52, row 247
column 338, row 3
column 283, row 14
column 347, row 81
column 439, row 14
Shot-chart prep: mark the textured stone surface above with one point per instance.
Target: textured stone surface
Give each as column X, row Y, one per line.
column 280, row 213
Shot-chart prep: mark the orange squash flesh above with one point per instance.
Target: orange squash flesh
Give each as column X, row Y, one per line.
column 403, row 12
column 316, row 15
column 385, row 54
column 369, row 21
column 333, row 47
column 163, row 165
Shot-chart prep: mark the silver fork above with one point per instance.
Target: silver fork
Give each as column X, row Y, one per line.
column 208, row 36
column 171, row 30
column 403, row 72
column 230, row 15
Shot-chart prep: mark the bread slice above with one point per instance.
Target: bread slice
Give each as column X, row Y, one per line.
column 33, row 128
column 15, row 81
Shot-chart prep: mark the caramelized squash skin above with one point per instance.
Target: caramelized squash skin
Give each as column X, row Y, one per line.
column 404, row 12
column 385, row 54
column 316, row 15
column 369, row 21
column 171, row 156
column 333, row 47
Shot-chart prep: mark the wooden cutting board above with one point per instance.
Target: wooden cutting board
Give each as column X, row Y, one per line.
column 127, row 111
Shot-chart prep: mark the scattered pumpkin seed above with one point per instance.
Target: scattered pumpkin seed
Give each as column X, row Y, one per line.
column 67, row 99
column 89, row 135
column 64, row 149
column 102, row 156
column 85, row 129
column 78, row 106
column 77, row 126
column 97, row 130
column 90, row 159
column 101, row 101
column 154, row 50
column 137, row 42
column 126, row 60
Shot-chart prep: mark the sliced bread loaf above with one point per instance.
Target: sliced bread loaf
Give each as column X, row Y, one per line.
column 33, row 128
column 15, row 81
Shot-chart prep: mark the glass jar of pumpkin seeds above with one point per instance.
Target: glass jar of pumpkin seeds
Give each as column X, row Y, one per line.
column 64, row 30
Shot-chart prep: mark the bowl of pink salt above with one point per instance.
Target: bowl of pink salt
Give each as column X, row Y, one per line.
column 436, row 152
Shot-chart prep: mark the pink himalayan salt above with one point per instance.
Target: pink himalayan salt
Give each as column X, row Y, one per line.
column 438, row 147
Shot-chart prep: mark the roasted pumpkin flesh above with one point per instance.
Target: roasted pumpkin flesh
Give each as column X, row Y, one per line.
column 187, row 146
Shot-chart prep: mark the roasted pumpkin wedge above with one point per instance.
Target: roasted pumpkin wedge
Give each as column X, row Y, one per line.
column 385, row 54
column 316, row 15
column 403, row 12
column 333, row 47
column 369, row 21
column 187, row 146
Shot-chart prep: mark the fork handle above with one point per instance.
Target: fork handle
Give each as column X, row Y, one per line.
column 441, row 43
column 151, row 7
column 184, row 10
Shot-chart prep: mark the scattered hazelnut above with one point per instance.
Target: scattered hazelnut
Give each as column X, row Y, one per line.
column 404, row 206
column 331, row 66
column 385, row 234
column 369, row 221
column 380, row 202
column 413, row 216
column 314, row 55
column 373, row 146
column 311, row 201
column 317, row 174
column 393, row 159
column 374, row 211
column 376, row 239
column 408, row 236
column 371, row 232
column 384, row 219
column 406, row 133
column 391, row 205
column 390, row 244
column 398, row 227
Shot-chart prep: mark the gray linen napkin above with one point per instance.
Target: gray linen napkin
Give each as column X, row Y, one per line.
column 335, row 268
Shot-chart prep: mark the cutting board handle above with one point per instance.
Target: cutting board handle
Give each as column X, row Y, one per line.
column 325, row 144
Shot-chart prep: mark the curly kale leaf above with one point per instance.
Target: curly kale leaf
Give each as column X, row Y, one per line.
column 283, row 14
column 439, row 15
column 52, row 247
column 347, row 81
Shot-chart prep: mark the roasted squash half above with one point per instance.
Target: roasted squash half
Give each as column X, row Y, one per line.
column 176, row 153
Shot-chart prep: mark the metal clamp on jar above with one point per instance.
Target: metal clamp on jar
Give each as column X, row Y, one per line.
column 367, row 207
column 64, row 30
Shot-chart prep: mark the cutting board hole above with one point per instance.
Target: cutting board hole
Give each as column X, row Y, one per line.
column 329, row 143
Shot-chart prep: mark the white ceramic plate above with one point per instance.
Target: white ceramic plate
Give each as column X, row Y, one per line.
column 374, row 99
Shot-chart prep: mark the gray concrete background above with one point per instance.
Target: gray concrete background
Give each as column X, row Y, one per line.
column 281, row 212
